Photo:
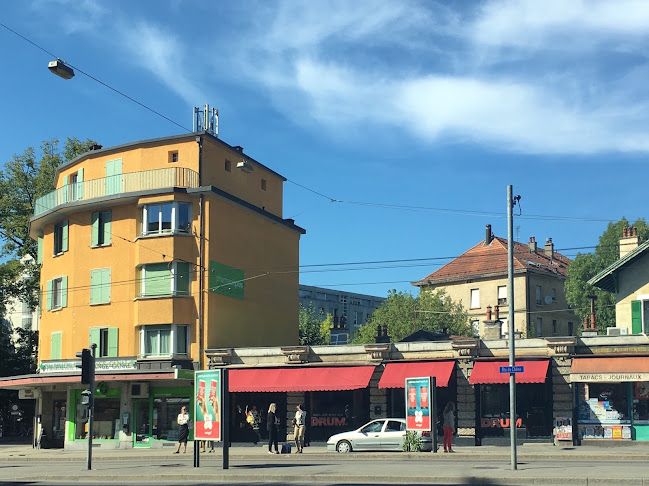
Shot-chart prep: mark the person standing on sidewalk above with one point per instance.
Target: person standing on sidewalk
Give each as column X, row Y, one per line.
column 298, row 431
column 271, row 425
column 449, row 426
column 183, row 432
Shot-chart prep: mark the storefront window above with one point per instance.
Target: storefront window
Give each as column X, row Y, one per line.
column 641, row 401
column 105, row 421
column 603, row 411
column 165, row 412
column 58, row 419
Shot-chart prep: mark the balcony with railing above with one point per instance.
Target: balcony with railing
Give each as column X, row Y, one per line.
column 117, row 184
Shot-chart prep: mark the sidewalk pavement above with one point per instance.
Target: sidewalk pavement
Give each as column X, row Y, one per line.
column 630, row 451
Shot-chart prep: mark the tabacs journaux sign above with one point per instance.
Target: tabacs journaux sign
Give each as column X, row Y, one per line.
column 418, row 403
column 226, row 280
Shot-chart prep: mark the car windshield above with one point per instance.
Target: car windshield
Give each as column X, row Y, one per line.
column 373, row 427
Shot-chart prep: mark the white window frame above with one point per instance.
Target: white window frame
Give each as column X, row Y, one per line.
column 173, row 290
column 175, row 224
column 475, row 299
column 173, row 336
column 476, row 327
column 502, row 295
column 57, row 293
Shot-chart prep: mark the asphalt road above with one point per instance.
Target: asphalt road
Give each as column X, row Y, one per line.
column 361, row 470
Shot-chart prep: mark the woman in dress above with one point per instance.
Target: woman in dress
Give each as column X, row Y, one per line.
column 271, row 426
column 183, row 432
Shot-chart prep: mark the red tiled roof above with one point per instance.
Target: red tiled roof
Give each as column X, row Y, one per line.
column 491, row 260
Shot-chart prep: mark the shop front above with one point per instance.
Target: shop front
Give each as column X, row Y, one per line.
column 533, row 401
column 612, row 397
column 335, row 398
column 395, row 374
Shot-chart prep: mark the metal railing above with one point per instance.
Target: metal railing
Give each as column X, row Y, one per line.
column 117, row 184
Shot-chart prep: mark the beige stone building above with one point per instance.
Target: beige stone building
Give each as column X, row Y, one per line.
column 478, row 279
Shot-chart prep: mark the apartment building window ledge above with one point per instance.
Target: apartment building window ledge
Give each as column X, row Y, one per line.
column 165, row 296
column 158, row 357
column 95, row 304
column 107, row 245
column 146, row 236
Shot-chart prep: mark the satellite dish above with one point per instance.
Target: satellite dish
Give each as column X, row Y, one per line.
column 548, row 299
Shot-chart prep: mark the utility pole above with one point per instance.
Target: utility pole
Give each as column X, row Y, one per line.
column 88, row 396
column 510, row 302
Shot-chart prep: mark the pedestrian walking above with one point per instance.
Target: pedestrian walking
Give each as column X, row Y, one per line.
column 298, row 430
column 449, row 426
column 272, row 421
column 183, row 432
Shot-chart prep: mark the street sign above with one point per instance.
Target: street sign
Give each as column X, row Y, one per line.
column 511, row 369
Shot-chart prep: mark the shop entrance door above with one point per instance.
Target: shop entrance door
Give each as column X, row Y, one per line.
column 142, row 424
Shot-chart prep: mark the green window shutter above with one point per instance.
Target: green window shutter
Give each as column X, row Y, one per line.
column 105, row 285
column 182, row 278
column 39, row 257
column 48, row 295
column 157, row 279
column 112, row 341
column 95, row 286
column 64, row 291
column 95, row 336
column 636, row 317
column 64, row 238
column 80, row 184
column 94, row 232
column 55, row 352
column 106, row 217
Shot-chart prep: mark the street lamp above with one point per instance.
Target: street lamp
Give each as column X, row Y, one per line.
column 62, row 70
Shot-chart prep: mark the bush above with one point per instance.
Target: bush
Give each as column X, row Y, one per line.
column 412, row 442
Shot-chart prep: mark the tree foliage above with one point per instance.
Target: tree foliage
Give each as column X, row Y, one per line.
column 404, row 314
column 586, row 265
column 23, row 179
column 315, row 327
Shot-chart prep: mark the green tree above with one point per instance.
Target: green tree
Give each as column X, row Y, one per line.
column 315, row 327
column 404, row 313
column 23, row 179
column 586, row 265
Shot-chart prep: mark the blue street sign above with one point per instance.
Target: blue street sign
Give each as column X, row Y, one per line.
column 511, row 369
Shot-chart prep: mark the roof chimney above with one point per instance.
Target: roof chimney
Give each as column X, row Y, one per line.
column 549, row 248
column 238, row 148
column 532, row 244
column 629, row 240
column 488, row 235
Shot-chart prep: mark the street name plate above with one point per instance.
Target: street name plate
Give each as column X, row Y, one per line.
column 511, row 369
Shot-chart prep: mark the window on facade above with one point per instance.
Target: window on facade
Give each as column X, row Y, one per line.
column 60, row 237
column 164, row 340
column 476, row 328
column 263, row 184
column 166, row 409
column 539, row 326
column 475, row 299
column 502, row 295
column 305, row 294
column 57, row 293
column 173, row 156
column 571, row 329
column 358, row 319
column 100, row 233
column 106, row 416
column 554, row 295
column 554, row 326
column 100, row 286
column 166, row 218
column 538, row 294
column 160, row 279
column 106, row 339
column 228, row 166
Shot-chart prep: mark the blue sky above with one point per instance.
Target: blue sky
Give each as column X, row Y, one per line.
column 413, row 116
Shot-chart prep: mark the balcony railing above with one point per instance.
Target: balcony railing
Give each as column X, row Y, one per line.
column 117, row 184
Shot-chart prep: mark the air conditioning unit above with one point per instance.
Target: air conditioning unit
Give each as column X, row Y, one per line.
column 617, row 331
column 139, row 390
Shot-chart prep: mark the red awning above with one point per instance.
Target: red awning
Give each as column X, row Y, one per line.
column 395, row 374
column 300, row 379
column 489, row 372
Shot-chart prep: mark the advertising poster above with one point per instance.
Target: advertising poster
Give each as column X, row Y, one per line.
column 207, row 405
column 418, row 404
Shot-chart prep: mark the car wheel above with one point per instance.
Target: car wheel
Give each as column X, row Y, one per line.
column 343, row 447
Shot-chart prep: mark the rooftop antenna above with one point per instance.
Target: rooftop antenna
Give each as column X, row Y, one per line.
column 206, row 120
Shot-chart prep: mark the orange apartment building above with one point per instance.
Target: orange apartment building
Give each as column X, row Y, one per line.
column 155, row 251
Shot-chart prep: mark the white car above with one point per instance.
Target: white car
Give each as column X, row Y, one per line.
column 385, row 434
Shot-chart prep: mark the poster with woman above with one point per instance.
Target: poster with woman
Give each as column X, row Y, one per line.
column 207, row 401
